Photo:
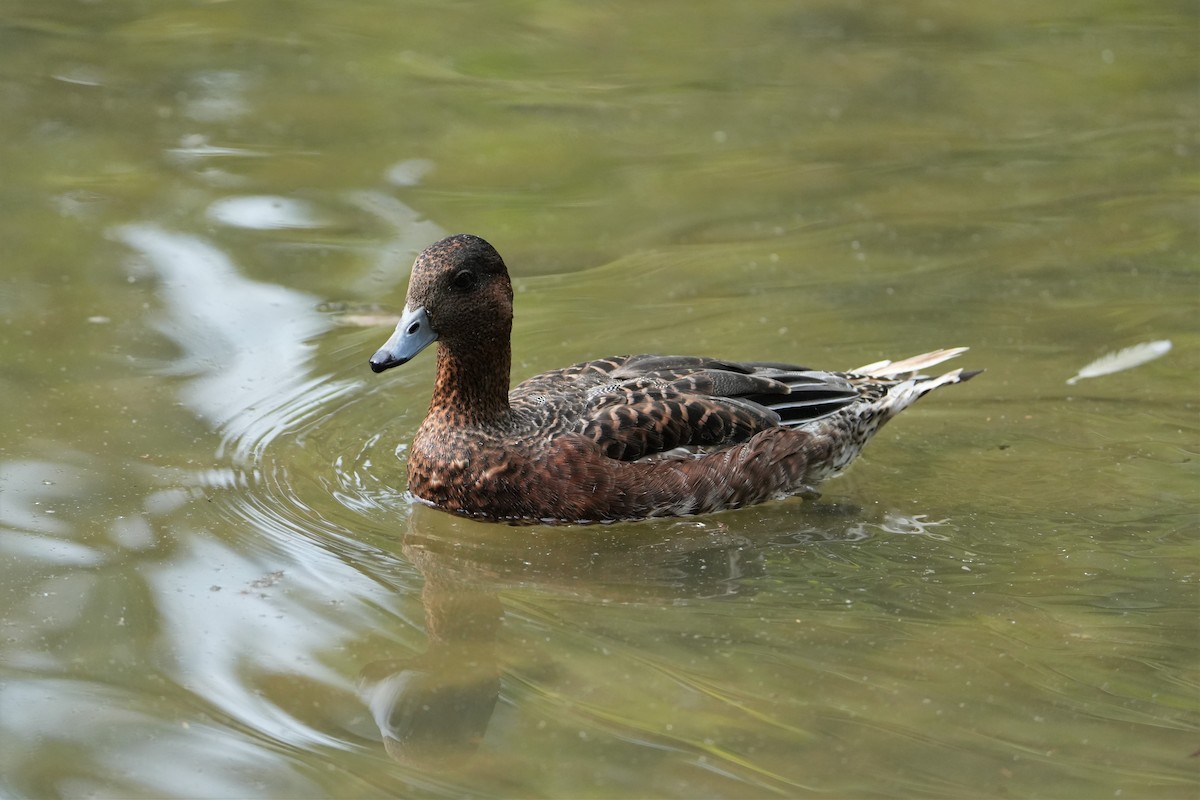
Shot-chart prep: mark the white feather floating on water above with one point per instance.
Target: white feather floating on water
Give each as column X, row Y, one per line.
column 1128, row 358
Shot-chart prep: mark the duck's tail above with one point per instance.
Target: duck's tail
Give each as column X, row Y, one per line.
column 910, row 366
column 887, row 388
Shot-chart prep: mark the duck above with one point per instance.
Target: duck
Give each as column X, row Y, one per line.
column 619, row 438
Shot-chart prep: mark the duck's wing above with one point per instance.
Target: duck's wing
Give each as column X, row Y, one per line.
column 640, row 406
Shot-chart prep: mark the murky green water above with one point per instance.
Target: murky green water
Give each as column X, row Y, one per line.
column 212, row 584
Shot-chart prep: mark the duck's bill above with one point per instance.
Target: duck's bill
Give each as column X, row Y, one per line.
column 412, row 335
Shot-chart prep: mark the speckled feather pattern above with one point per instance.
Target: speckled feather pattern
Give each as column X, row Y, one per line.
column 625, row 437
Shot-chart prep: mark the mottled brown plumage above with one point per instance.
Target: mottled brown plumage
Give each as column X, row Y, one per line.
column 626, row 437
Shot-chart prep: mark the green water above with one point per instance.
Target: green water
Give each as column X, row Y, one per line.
column 213, row 585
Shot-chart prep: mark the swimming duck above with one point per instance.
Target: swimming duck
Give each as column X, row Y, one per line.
column 625, row 437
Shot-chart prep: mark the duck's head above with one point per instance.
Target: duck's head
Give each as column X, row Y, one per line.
column 460, row 295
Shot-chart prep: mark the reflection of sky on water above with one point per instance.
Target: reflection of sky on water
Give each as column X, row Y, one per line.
column 245, row 342
column 232, row 620
column 265, row 212
column 141, row 753
column 246, row 619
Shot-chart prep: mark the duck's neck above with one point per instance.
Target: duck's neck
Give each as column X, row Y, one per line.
column 471, row 387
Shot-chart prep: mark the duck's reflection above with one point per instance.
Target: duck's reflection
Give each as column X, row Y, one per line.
column 434, row 709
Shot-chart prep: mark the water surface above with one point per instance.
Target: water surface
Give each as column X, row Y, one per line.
column 213, row 584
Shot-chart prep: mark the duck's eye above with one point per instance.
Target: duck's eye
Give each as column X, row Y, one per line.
column 463, row 280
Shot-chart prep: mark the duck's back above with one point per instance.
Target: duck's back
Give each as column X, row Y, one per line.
column 646, row 406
